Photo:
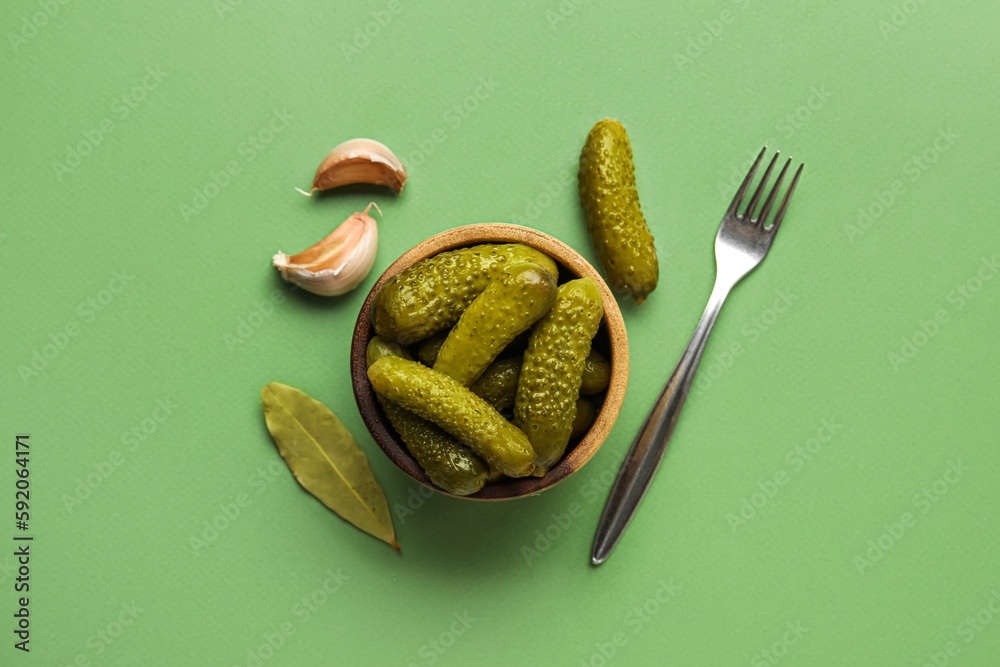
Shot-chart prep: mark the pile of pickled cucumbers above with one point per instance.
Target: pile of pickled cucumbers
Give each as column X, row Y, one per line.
column 483, row 365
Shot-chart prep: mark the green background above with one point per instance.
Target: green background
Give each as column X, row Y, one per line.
column 867, row 94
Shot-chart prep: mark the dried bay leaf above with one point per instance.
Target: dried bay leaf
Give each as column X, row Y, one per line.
column 325, row 459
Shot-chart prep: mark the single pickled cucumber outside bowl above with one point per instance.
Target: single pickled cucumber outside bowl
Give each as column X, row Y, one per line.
column 611, row 341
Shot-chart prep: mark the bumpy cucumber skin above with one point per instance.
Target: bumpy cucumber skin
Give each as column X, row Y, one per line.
column 471, row 420
column 596, row 374
column 447, row 463
column 427, row 351
column 586, row 413
column 552, row 370
column 432, row 294
column 510, row 304
column 621, row 238
column 498, row 383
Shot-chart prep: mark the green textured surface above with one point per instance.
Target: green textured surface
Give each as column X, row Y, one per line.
column 902, row 124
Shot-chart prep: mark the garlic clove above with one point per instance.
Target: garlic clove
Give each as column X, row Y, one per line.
column 339, row 262
column 359, row 161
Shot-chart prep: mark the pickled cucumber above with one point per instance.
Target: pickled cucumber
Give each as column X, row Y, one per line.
column 621, row 238
column 552, row 370
column 470, row 419
column 432, row 294
column 379, row 347
column 510, row 304
column 586, row 413
column 596, row 374
column 448, row 464
column 427, row 351
column 498, row 383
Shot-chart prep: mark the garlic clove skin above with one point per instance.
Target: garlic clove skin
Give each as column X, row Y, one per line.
column 360, row 161
column 339, row 262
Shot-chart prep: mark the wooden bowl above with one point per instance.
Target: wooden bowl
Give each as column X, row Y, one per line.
column 611, row 340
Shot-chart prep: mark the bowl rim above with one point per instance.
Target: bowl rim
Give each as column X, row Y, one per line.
column 473, row 234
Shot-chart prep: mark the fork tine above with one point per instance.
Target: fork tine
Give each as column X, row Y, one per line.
column 738, row 199
column 769, row 202
column 784, row 202
column 748, row 214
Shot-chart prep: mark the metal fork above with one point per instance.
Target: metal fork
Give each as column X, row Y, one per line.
column 741, row 244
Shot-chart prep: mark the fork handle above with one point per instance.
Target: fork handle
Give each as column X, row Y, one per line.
column 647, row 450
